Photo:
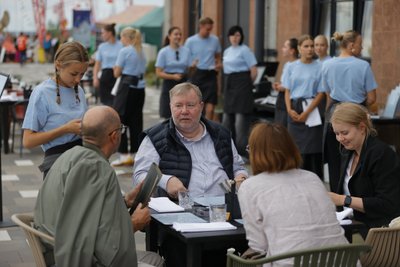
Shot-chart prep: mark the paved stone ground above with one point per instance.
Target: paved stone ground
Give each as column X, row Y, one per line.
column 21, row 183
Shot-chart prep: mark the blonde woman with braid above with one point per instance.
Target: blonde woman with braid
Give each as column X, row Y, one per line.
column 56, row 106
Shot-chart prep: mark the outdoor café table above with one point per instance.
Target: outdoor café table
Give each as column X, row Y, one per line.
column 196, row 242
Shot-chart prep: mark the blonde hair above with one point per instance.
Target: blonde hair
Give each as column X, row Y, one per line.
column 345, row 38
column 323, row 37
column 135, row 38
column 353, row 114
column 71, row 52
column 68, row 53
column 272, row 149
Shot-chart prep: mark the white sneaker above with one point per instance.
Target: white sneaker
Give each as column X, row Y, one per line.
column 123, row 160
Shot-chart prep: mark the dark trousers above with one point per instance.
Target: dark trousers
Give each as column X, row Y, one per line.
column 107, row 81
column 239, row 125
column 332, row 157
column 133, row 118
column 313, row 163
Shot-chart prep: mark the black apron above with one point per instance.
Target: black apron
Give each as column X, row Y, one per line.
column 120, row 100
column 308, row 139
column 238, row 95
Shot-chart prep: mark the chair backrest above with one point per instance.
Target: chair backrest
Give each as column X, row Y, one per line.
column 33, row 236
column 385, row 244
column 341, row 255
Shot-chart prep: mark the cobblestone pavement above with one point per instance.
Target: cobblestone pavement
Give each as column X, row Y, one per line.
column 21, row 178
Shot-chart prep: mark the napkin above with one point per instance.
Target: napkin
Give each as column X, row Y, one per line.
column 163, row 204
column 203, row 227
column 346, row 213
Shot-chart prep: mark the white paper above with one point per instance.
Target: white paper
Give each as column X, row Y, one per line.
column 346, row 213
column 163, row 204
column 177, row 217
column 114, row 90
column 391, row 103
column 203, row 227
column 314, row 118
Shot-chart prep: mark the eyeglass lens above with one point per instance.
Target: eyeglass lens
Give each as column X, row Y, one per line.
column 177, row 55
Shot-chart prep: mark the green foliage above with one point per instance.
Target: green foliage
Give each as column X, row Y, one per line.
column 150, row 75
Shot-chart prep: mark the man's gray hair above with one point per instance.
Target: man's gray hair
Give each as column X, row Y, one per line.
column 184, row 88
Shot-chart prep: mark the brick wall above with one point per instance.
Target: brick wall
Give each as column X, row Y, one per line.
column 386, row 47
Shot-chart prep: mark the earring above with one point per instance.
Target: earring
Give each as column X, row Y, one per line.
column 353, row 50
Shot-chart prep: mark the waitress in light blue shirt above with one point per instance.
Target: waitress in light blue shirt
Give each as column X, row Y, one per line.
column 129, row 101
column 303, row 85
column 56, row 106
column 239, row 65
column 345, row 78
column 172, row 65
column 106, row 56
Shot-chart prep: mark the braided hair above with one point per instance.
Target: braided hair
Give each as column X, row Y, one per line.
column 67, row 53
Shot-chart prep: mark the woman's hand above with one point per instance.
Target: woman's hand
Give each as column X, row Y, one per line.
column 73, row 126
column 337, row 199
column 302, row 117
column 177, row 76
column 293, row 114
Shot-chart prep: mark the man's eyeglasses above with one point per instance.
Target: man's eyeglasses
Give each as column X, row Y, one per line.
column 177, row 55
column 121, row 128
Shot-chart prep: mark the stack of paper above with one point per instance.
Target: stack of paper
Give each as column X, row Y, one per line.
column 314, row 118
column 163, row 204
column 202, row 227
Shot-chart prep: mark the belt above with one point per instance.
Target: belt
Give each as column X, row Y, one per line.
column 62, row 148
column 139, row 77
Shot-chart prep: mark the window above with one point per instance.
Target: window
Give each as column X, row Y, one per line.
column 366, row 30
column 329, row 16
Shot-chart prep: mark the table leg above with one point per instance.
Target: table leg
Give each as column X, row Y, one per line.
column 193, row 255
column 152, row 237
column 5, row 126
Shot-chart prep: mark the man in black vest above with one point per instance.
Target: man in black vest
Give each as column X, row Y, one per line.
column 192, row 152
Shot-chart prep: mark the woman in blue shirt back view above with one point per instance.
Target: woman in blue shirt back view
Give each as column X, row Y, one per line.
column 345, row 78
column 129, row 101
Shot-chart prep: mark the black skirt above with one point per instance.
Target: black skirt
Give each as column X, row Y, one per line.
column 238, row 95
column 121, row 99
column 307, row 139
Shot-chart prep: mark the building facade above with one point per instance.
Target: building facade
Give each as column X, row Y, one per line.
column 268, row 23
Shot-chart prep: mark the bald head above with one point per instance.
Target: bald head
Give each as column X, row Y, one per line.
column 97, row 123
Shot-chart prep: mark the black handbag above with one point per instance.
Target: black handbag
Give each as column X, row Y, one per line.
column 232, row 204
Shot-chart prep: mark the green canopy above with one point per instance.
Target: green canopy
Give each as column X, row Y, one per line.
column 151, row 26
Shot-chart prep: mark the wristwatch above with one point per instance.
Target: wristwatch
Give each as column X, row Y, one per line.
column 347, row 201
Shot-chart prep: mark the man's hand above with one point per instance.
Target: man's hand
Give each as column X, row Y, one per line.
column 131, row 196
column 174, row 185
column 239, row 179
column 140, row 217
